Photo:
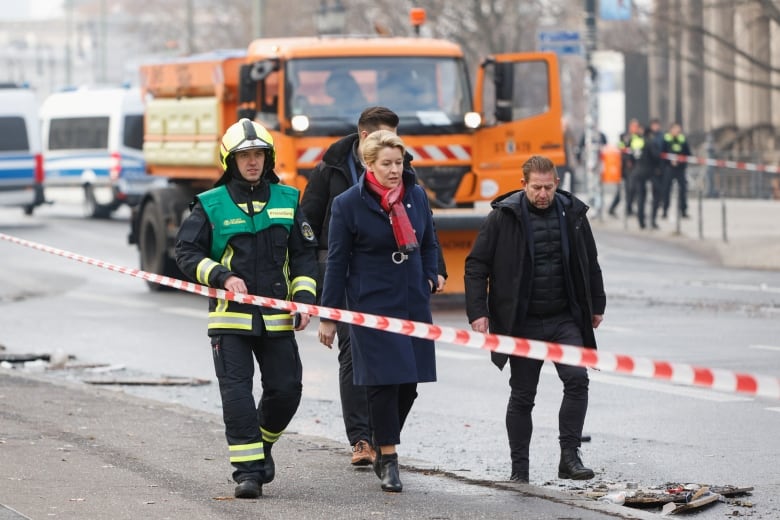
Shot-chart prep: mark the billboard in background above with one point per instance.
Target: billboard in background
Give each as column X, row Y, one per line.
column 615, row 9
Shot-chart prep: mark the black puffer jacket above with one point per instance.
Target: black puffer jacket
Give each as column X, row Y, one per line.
column 499, row 268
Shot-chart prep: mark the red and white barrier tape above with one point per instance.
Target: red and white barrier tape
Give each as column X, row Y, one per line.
column 720, row 163
column 715, row 379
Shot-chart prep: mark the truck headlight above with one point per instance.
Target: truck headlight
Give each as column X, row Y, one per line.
column 300, row 123
column 472, row 120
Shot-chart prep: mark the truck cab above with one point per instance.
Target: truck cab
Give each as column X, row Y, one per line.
column 467, row 146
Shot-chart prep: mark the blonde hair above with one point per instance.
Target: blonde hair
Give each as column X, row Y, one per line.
column 376, row 141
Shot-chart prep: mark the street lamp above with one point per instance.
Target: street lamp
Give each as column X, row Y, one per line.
column 331, row 19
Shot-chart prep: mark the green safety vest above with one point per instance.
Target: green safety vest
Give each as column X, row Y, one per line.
column 676, row 144
column 229, row 220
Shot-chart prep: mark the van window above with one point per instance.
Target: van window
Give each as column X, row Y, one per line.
column 14, row 134
column 80, row 133
column 134, row 132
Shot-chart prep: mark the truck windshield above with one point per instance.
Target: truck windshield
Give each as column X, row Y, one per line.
column 429, row 94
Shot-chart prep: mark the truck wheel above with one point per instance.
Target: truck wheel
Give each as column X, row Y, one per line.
column 92, row 208
column 152, row 244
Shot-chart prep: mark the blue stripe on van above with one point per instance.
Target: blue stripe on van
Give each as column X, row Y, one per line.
column 73, row 165
column 17, row 167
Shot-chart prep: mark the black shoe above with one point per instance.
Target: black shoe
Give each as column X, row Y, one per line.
column 378, row 462
column 249, row 488
column 654, row 226
column 391, row 480
column 571, row 465
column 269, row 468
column 521, row 477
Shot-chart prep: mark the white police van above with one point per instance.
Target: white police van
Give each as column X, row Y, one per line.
column 21, row 163
column 93, row 140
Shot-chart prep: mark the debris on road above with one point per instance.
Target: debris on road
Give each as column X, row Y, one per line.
column 668, row 499
column 149, row 381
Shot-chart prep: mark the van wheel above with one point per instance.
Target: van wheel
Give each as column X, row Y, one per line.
column 152, row 244
column 92, row 208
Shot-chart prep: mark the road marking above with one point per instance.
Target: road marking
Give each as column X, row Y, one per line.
column 664, row 388
column 761, row 287
column 774, row 409
column 773, row 348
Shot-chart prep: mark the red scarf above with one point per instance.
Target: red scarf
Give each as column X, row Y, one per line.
column 392, row 201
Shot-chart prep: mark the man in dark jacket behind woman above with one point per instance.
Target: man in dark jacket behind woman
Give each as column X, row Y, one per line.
column 533, row 273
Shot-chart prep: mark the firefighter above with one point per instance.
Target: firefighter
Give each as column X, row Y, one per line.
column 247, row 235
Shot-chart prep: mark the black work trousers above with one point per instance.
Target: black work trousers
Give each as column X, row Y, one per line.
column 676, row 174
column 656, row 181
column 280, row 377
column 389, row 406
column 354, row 400
column 523, row 382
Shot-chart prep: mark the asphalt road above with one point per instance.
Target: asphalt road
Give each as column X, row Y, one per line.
column 664, row 302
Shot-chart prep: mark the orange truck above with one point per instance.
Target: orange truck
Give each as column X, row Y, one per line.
column 468, row 146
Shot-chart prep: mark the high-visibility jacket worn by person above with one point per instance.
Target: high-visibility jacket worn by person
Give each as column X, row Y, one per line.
column 257, row 234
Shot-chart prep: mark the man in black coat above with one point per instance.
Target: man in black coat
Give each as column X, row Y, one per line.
column 341, row 167
column 533, row 273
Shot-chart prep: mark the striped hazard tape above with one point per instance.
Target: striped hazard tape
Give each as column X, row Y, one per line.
column 715, row 379
column 721, row 163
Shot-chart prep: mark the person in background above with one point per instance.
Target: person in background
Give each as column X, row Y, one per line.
column 533, row 272
column 626, row 165
column 674, row 170
column 247, row 235
column 341, row 167
column 382, row 259
column 647, row 159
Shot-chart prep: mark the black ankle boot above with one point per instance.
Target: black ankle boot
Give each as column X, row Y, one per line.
column 249, row 488
column 571, row 465
column 378, row 462
column 269, row 468
column 391, row 481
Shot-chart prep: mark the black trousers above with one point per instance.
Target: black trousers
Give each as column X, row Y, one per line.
column 389, row 406
column 656, row 185
column 676, row 174
column 523, row 382
column 246, row 423
column 354, row 399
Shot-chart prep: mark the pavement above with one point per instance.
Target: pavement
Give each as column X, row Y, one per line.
column 740, row 233
column 75, row 451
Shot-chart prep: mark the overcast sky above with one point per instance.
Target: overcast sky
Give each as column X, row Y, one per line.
column 24, row 9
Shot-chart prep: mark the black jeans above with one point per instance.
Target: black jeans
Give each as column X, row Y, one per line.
column 676, row 174
column 523, row 383
column 280, row 376
column 354, row 400
column 390, row 406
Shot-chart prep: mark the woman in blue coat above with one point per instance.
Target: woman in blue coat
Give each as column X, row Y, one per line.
column 382, row 259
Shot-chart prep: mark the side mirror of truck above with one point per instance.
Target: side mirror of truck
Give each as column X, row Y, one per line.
column 504, row 79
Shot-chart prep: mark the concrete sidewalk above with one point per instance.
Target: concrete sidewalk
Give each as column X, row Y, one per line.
column 75, row 451
column 751, row 228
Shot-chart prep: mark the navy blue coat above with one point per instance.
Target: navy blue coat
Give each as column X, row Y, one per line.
column 361, row 276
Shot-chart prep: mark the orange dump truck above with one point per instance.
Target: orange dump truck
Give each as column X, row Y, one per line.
column 468, row 146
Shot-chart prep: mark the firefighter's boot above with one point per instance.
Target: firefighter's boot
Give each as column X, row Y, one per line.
column 269, row 469
column 249, row 488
